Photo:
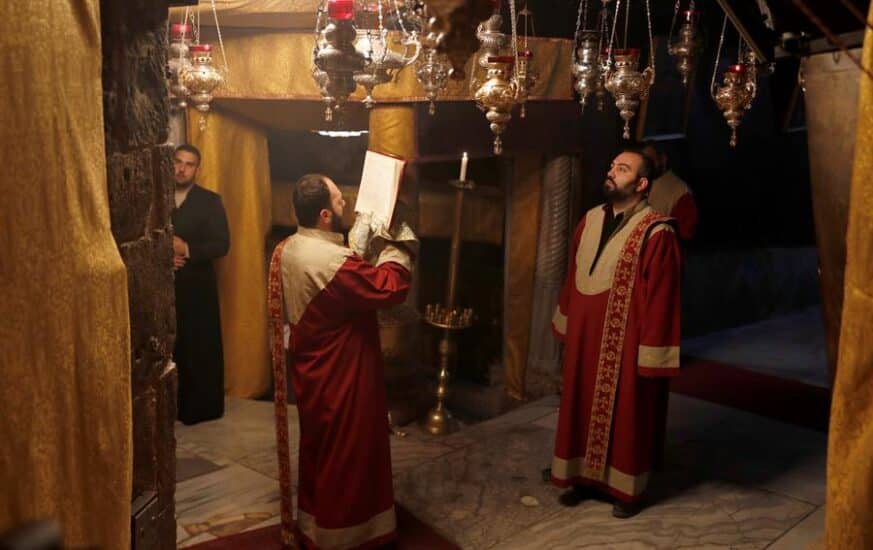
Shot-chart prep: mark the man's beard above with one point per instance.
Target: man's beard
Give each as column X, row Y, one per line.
column 336, row 222
column 184, row 184
column 615, row 193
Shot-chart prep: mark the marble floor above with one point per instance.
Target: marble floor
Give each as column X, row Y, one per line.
column 731, row 479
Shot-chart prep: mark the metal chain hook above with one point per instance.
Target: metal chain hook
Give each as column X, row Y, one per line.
column 717, row 58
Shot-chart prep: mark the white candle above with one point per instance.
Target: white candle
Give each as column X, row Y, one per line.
column 464, row 159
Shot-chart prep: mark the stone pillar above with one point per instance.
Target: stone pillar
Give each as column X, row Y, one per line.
column 544, row 357
column 831, row 102
column 140, row 193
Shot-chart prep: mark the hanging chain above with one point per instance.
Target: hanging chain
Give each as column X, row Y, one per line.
column 604, row 28
column 383, row 33
column 673, row 23
column 740, row 56
column 626, row 22
column 528, row 18
column 197, row 28
column 220, row 40
column 651, row 36
column 717, row 58
column 582, row 14
column 514, row 19
column 319, row 17
column 399, row 18
column 609, row 55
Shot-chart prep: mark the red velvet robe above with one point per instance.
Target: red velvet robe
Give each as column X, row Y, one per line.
column 331, row 296
column 618, row 352
column 672, row 197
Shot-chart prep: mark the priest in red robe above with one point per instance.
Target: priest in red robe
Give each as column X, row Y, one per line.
column 669, row 195
column 330, row 296
column 618, row 316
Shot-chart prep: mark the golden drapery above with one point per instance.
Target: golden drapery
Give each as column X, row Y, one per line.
column 393, row 131
column 294, row 14
column 236, row 165
column 523, row 216
column 65, row 423
column 850, row 447
column 268, row 64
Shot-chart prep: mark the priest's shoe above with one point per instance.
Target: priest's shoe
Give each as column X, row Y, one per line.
column 624, row 510
column 574, row 496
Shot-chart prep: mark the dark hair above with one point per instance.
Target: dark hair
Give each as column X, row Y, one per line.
column 310, row 197
column 656, row 146
column 660, row 155
column 647, row 166
column 190, row 149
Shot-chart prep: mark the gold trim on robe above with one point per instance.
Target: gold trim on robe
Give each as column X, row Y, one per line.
column 598, row 280
column 378, row 526
column 628, row 484
column 658, row 357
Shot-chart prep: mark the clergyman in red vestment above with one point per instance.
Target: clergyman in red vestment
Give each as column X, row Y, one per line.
column 671, row 196
column 331, row 296
column 618, row 316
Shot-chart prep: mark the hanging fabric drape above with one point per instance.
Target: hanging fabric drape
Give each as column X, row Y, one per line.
column 850, row 447
column 65, row 424
column 522, row 230
column 236, row 166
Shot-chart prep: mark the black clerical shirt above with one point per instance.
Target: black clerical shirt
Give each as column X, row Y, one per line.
column 611, row 222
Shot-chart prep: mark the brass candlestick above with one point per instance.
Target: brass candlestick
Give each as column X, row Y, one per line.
column 439, row 421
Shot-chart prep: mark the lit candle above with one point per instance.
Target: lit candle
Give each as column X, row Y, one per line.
column 464, row 159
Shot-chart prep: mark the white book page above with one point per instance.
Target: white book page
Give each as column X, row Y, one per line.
column 380, row 185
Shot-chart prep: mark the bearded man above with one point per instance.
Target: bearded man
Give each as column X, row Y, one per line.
column 330, row 296
column 618, row 316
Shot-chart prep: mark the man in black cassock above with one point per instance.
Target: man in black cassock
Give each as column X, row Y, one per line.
column 201, row 236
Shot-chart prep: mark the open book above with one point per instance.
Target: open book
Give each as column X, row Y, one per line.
column 380, row 185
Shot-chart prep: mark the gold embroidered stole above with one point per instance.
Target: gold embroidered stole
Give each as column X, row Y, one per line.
column 276, row 308
column 611, row 347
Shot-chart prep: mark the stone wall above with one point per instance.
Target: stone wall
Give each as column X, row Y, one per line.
column 140, row 192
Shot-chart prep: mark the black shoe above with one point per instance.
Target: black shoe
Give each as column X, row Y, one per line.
column 574, row 496
column 624, row 510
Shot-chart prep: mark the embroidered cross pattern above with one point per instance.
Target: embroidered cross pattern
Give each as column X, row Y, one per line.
column 611, row 346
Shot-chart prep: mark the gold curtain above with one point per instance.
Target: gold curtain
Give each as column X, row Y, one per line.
column 65, row 410
column 296, row 14
column 523, row 217
column 393, row 131
column 236, row 165
column 850, row 448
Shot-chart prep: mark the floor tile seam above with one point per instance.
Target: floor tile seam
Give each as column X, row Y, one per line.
column 793, row 527
column 429, row 461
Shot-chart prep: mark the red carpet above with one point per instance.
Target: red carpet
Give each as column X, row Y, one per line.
column 778, row 398
column 412, row 533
